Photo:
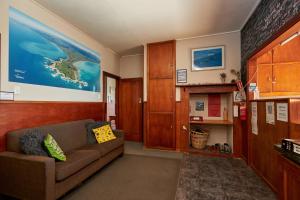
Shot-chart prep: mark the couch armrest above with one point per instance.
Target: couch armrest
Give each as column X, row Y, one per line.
column 119, row 133
column 27, row 177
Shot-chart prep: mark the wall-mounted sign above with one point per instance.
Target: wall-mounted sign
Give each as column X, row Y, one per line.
column 181, row 75
column 282, row 112
column 254, row 127
column 270, row 113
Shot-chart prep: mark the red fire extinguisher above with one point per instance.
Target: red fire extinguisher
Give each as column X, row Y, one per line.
column 243, row 111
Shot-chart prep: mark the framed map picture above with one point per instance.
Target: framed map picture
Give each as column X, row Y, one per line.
column 208, row 58
column 40, row 55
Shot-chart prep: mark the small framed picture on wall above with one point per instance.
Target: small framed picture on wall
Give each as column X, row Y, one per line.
column 181, row 75
column 208, row 58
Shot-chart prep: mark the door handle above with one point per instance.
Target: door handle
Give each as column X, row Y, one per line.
column 140, row 100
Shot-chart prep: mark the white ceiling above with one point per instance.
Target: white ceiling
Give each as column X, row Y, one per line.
column 125, row 25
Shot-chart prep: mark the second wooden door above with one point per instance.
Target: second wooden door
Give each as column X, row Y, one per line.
column 130, row 108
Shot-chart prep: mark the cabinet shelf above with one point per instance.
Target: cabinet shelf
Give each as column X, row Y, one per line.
column 213, row 122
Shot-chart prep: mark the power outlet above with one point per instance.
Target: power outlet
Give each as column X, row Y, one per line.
column 17, row 90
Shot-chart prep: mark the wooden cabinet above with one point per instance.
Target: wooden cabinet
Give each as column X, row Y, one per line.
column 162, row 130
column 264, row 78
column 161, row 60
column 287, row 52
column 286, row 77
column 289, row 179
column 161, row 96
column 276, row 71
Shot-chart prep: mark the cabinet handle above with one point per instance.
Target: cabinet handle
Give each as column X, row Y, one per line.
column 274, row 79
column 269, row 78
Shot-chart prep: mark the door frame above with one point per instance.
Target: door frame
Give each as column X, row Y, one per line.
column 105, row 76
column 142, row 103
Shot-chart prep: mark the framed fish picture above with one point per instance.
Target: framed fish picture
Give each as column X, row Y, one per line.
column 208, row 58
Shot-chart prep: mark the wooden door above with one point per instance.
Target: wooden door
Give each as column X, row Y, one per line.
column 160, row 60
column 130, row 108
column 161, row 95
column 162, row 130
column 264, row 78
column 286, row 77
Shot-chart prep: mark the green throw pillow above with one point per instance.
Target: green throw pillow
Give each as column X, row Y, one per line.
column 53, row 148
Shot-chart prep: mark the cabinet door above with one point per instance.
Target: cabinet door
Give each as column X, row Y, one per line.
column 287, row 52
column 264, row 78
column 266, row 58
column 161, row 130
column 160, row 60
column 161, row 97
column 286, row 78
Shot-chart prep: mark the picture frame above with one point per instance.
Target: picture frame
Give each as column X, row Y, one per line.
column 181, row 76
column 209, row 58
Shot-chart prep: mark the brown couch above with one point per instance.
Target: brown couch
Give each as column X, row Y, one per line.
column 37, row 177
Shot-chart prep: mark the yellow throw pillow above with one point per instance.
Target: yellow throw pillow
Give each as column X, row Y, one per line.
column 104, row 134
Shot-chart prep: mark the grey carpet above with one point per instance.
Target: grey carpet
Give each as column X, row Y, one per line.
column 137, row 148
column 131, row 177
column 207, row 178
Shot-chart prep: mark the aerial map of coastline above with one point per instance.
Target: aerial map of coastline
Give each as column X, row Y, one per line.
column 40, row 55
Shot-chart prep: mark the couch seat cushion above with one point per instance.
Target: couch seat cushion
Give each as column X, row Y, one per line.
column 76, row 161
column 106, row 147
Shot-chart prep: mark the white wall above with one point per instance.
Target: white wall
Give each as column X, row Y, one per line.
column 232, row 43
column 109, row 59
column 132, row 66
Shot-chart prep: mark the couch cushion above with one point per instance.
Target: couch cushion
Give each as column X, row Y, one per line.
column 69, row 135
column 91, row 139
column 54, row 149
column 76, row 161
column 32, row 143
column 106, row 147
column 104, row 134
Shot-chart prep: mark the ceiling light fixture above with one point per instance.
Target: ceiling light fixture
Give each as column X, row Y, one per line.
column 289, row 39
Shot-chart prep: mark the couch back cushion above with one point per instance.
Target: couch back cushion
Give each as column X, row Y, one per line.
column 69, row 135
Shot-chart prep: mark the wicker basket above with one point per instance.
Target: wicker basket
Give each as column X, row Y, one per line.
column 199, row 139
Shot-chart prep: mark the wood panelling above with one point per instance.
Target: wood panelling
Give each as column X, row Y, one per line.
column 289, row 179
column 183, row 108
column 238, row 133
column 131, row 108
column 161, row 96
column 263, row 158
column 17, row 115
column 294, row 106
column 161, row 60
column 145, row 122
